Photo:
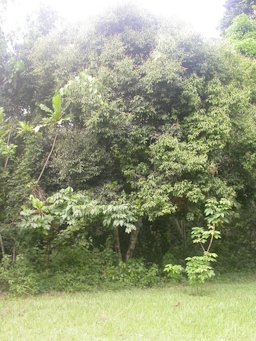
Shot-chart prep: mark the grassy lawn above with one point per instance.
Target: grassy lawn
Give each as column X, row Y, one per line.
column 223, row 311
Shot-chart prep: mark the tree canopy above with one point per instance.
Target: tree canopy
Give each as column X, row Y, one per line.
column 234, row 8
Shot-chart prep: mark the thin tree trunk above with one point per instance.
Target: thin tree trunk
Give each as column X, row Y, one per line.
column 212, row 236
column 183, row 226
column 132, row 244
column 2, row 245
column 14, row 253
column 179, row 227
column 48, row 158
column 182, row 231
column 117, row 244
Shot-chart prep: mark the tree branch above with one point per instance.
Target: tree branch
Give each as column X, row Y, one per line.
column 212, row 236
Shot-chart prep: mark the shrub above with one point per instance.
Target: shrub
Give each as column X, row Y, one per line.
column 199, row 269
column 133, row 273
column 17, row 278
column 74, row 269
column 174, row 271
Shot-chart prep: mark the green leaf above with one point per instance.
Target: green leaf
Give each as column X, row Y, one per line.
column 45, row 108
column 56, row 103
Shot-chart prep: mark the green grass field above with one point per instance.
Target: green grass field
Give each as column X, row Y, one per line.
column 222, row 311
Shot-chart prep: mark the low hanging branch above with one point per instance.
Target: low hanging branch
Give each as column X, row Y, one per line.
column 82, row 209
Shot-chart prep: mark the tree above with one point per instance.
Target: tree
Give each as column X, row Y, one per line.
column 242, row 34
column 7, row 150
column 161, row 121
column 235, row 8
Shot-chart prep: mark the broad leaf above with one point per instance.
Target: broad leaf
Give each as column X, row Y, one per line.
column 45, row 108
column 56, row 103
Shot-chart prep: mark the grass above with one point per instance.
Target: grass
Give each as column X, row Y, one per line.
column 222, row 311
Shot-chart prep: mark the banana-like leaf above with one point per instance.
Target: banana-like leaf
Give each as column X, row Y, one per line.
column 56, row 104
column 45, row 108
column 38, row 127
column 48, row 120
column 64, row 119
column 56, row 117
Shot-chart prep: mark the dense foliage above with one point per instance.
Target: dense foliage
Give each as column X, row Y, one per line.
column 240, row 26
column 111, row 142
column 235, row 8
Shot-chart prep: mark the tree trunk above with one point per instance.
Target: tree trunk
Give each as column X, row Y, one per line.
column 132, row 244
column 117, row 244
column 182, row 231
column 48, row 158
column 14, row 253
column 2, row 245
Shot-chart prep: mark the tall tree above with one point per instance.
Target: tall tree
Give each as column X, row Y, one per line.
column 235, row 8
column 242, row 34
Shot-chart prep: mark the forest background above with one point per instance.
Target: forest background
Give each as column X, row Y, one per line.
column 115, row 139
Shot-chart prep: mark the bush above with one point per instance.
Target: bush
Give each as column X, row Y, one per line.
column 74, row 269
column 64, row 281
column 17, row 278
column 133, row 274
column 174, row 272
column 199, row 268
